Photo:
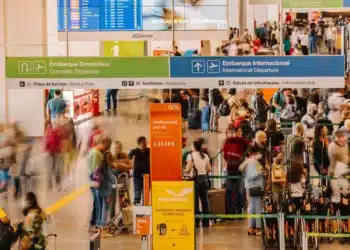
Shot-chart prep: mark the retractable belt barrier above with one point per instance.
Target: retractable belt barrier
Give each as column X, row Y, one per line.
column 236, row 216
column 241, row 177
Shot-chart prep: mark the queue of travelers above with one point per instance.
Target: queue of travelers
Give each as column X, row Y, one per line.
column 255, row 153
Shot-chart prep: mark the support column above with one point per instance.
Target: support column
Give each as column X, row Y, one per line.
column 25, row 35
column 2, row 64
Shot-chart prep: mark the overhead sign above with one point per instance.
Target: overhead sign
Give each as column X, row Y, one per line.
column 173, row 215
column 166, row 142
column 175, row 72
column 312, row 4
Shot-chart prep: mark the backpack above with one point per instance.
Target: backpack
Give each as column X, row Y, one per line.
column 216, row 97
column 98, row 175
column 7, row 236
column 273, row 108
column 224, row 109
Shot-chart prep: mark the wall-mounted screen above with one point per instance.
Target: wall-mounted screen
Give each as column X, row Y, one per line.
column 139, row 15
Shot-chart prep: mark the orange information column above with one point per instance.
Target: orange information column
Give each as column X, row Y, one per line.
column 166, row 144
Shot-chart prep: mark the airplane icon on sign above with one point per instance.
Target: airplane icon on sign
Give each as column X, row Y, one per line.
column 213, row 66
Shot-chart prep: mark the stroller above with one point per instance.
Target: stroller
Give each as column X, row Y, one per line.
column 122, row 221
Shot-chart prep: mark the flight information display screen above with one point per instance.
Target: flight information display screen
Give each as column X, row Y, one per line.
column 139, row 15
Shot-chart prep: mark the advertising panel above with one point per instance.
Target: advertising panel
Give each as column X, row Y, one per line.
column 175, row 72
column 173, row 215
column 312, row 4
column 166, row 142
column 123, row 48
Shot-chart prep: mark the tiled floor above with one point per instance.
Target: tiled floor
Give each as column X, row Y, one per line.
column 71, row 222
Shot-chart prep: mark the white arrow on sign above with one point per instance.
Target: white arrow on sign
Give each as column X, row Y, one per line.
column 198, row 66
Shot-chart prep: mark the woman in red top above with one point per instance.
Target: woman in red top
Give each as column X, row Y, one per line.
column 233, row 151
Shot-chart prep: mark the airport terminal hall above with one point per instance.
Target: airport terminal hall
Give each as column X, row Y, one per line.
column 174, row 124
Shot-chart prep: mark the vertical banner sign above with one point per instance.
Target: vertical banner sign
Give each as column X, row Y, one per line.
column 166, row 145
column 173, row 215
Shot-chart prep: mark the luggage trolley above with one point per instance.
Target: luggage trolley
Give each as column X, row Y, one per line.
column 119, row 222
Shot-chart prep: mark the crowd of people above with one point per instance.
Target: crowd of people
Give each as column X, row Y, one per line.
column 303, row 37
column 256, row 153
column 264, row 40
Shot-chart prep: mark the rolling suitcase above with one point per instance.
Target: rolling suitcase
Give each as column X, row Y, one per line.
column 194, row 119
column 217, row 201
column 205, row 118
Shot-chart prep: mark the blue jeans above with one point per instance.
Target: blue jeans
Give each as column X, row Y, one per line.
column 97, row 207
column 235, row 186
column 138, row 189
column 105, row 211
column 254, row 207
column 111, row 96
column 312, row 45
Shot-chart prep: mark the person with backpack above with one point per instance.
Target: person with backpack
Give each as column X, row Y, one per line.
column 233, row 152
column 95, row 163
column 7, row 233
column 215, row 99
column 290, row 112
column 261, row 109
column 278, row 101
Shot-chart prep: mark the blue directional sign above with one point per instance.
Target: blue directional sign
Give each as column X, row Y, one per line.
column 259, row 66
column 198, row 66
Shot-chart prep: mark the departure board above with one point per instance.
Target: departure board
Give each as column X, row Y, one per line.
column 99, row 15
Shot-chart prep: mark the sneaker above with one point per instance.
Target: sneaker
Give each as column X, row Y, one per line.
column 93, row 229
column 258, row 232
column 251, row 231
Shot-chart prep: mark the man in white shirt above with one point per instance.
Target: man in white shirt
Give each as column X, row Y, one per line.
column 304, row 41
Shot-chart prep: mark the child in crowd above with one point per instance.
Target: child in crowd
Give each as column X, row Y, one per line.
column 278, row 178
column 254, row 183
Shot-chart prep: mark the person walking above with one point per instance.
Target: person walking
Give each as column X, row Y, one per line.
column 55, row 108
column 111, row 99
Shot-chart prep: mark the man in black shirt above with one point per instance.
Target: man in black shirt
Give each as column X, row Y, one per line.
column 141, row 165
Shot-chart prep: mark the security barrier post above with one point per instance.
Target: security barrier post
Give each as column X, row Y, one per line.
column 146, row 237
column 146, row 189
column 220, row 169
column 282, row 238
column 304, row 241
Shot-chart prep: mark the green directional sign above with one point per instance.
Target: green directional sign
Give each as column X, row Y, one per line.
column 87, row 67
column 291, row 4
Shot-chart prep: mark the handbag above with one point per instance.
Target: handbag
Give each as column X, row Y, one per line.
column 256, row 191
